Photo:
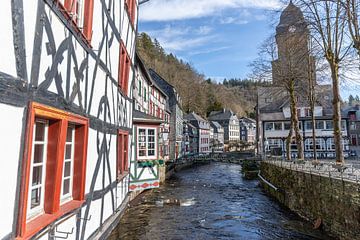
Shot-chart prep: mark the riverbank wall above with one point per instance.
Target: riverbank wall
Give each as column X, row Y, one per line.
column 326, row 197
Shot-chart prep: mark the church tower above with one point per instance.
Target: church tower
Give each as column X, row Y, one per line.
column 292, row 39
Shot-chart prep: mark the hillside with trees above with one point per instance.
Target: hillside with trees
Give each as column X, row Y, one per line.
column 198, row 93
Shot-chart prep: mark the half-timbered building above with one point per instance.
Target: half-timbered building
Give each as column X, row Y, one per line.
column 150, row 120
column 176, row 121
column 66, row 74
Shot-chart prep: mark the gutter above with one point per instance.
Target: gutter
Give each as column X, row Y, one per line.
column 267, row 182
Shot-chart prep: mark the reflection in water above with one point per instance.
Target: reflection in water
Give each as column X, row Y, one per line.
column 211, row 202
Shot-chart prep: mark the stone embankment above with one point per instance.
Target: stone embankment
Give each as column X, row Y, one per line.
column 323, row 194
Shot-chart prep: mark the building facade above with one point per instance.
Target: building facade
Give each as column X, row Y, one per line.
column 203, row 129
column 247, row 130
column 217, row 141
column 191, row 138
column 176, row 147
column 66, row 93
column 353, row 115
column 274, row 102
column 230, row 122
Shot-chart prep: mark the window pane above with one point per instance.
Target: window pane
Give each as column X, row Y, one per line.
column 38, row 153
column 142, row 132
column 278, row 126
column 67, row 169
column 66, row 188
column 151, row 132
column 319, row 124
column 35, row 197
column 269, row 126
column 69, row 134
column 142, row 153
column 68, row 151
column 151, row 139
column 151, row 152
column 37, row 175
column 40, row 131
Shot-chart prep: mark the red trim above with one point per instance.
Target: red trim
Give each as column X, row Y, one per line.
column 122, row 154
column 130, row 6
column 124, row 69
column 58, row 122
column 88, row 19
column 68, row 9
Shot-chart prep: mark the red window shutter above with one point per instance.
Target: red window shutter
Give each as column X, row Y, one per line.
column 124, row 69
column 123, row 155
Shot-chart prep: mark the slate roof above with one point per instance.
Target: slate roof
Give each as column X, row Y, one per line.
column 145, row 118
column 224, row 114
column 216, row 126
column 141, row 64
column 195, row 119
column 280, row 99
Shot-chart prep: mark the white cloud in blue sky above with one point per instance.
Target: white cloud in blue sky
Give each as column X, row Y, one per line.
column 168, row 10
column 219, row 37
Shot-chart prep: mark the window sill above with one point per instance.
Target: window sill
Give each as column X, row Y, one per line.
column 42, row 221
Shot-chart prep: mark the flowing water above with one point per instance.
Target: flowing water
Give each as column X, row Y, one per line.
column 211, row 202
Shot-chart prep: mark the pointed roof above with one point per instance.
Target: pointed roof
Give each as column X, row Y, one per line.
column 291, row 16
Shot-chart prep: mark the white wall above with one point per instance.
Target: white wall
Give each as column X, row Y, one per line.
column 7, row 62
column 10, row 139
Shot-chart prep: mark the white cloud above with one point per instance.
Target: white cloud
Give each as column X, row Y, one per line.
column 182, row 38
column 207, row 51
column 165, row 10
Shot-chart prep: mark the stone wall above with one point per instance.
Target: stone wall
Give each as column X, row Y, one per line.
column 335, row 201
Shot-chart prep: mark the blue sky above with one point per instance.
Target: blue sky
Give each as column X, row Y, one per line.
column 218, row 37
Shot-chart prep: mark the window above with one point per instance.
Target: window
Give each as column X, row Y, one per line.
column 68, row 166
column 307, row 112
column 147, row 143
column 80, row 12
column 122, row 154
column 278, row 126
column 329, row 125
column 308, row 125
column 56, row 149
column 269, row 126
column 287, row 125
column 320, row 144
column 352, row 126
column 343, row 125
column 320, row 125
column 145, row 95
column 131, row 7
column 38, row 169
column 124, row 69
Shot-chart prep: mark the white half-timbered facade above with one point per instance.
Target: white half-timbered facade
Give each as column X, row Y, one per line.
column 66, row 74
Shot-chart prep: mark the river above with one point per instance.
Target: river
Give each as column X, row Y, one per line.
column 211, row 202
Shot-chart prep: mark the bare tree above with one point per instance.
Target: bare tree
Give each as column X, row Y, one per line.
column 327, row 19
column 287, row 72
column 352, row 14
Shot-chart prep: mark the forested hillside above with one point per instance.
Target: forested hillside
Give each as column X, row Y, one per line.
column 199, row 94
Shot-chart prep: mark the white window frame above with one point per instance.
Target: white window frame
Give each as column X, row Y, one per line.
column 38, row 210
column 69, row 196
column 147, row 143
